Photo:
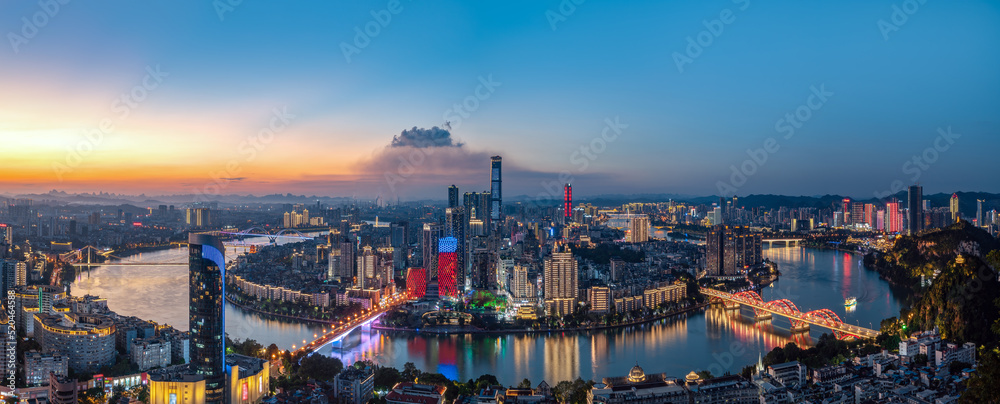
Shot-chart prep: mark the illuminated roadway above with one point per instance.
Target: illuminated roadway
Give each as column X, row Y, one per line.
column 822, row 318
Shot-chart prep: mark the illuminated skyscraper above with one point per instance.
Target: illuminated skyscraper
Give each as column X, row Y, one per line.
column 561, row 279
column 455, row 226
column 567, row 201
column 452, row 196
column 847, row 211
column 915, row 213
column 416, row 282
column 954, row 208
column 447, row 270
column 207, row 265
column 496, row 204
column 895, row 218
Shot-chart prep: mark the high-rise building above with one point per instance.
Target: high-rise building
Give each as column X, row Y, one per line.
column 561, row 277
column 857, row 214
column 496, row 204
column 567, row 201
column 895, row 224
column 638, row 229
column 447, row 270
column 481, row 203
column 730, row 250
column 366, row 267
column 915, row 212
column 452, row 196
column 199, row 217
column 455, row 225
column 847, row 211
column 955, row 215
column 207, row 265
column 870, row 215
column 617, row 269
column 979, row 213
column 429, row 247
column 416, row 282
column 521, row 287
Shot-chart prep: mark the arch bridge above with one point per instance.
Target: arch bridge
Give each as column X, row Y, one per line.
column 824, row 318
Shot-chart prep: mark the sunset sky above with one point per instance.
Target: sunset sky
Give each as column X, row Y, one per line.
column 544, row 79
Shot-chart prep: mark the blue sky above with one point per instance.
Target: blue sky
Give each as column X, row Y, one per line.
column 560, row 79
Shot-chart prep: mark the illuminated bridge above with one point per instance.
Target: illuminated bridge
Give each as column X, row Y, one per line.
column 787, row 240
column 825, row 318
column 272, row 236
column 364, row 320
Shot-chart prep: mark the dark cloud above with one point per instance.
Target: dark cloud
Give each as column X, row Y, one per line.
column 421, row 138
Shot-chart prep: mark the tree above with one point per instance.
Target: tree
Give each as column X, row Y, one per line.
column 983, row 386
column 386, row 377
column 92, row 396
column 319, row 367
column 143, row 394
column 920, row 359
column 525, row 384
column 410, row 372
column 563, row 391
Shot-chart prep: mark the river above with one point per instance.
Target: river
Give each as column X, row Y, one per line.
column 706, row 339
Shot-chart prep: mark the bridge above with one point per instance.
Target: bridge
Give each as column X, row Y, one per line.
column 789, row 241
column 344, row 327
column 272, row 236
column 824, row 318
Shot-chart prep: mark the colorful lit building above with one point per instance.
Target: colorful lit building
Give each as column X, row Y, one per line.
column 416, row 282
column 448, row 267
column 567, row 201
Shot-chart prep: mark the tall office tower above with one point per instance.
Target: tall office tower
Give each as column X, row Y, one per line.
column 496, row 204
column 870, row 215
column 979, row 213
column 207, row 265
column 915, row 212
column 567, row 202
column 455, row 226
column 847, row 211
column 561, row 275
column 447, row 267
column 895, row 224
column 366, row 267
column 429, row 248
column 481, row 202
column 954, row 208
column 857, row 213
column 452, row 196
column 880, row 221
column 638, row 229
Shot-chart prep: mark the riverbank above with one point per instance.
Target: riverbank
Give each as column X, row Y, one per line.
column 527, row 331
column 283, row 316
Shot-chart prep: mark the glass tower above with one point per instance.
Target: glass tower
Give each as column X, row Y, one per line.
column 207, row 323
column 496, row 204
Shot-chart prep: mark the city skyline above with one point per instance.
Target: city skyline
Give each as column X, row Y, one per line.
column 540, row 82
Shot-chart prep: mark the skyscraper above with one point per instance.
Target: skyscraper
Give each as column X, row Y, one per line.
column 429, row 248
column 207, row 265
column 454, row 226
column 847, row 211
column 915, row 213
column 447, row 270
column 567, row 202
column 638, row 229
column 979, row 213
column 731, row 249
column 452, row 196
column 496, row 203
column 954, row 208
column 895, row 218
column 561, row 277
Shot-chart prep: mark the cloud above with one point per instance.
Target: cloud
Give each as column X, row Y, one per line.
column 424, row 138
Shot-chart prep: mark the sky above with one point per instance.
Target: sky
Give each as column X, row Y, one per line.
column 399, row 99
